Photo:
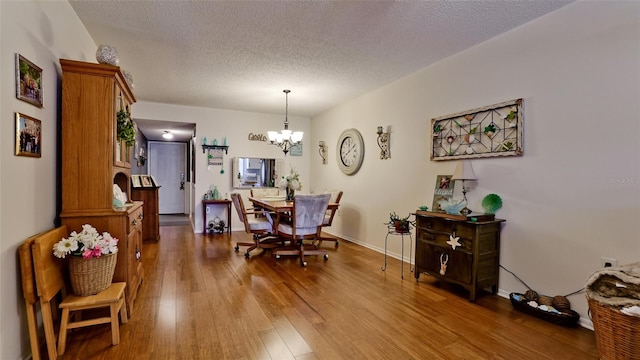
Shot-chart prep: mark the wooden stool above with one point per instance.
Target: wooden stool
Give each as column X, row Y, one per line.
column 113, row 297
column 49, row 281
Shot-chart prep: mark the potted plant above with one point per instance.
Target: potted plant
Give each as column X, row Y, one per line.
column 490, row 129
column 400, row 224
column 126, row 129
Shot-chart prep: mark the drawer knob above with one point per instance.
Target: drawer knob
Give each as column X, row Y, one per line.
column 134, row 222
column 140, row 216
column 138, row 254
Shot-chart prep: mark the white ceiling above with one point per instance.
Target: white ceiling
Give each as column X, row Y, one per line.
column 240, row 55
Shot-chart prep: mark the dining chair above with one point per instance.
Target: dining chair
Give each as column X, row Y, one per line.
column 50, row 281
column 30, row 295
column 304, row 223
column 260, row 227
column 261, row 192
column 336, row 195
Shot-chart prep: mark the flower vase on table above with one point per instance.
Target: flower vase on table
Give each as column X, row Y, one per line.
column 291, row 183
column 290, row 194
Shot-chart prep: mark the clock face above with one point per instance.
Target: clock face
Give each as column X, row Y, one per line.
column 350, row 151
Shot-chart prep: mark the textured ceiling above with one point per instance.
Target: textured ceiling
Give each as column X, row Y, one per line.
column 240, row 55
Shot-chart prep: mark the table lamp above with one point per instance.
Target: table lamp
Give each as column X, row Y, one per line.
column 464, row 172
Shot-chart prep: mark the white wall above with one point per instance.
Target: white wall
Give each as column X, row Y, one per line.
column 575, row 194
column 43, row 32
column 236, row 127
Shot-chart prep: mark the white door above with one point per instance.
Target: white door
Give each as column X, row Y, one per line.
column 167, row 164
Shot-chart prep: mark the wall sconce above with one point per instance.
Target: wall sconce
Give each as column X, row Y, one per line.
column 323, row 152
column 383, row 143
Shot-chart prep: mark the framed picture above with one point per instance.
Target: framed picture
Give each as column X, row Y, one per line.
column 491, row 131
column 135, row 181
column 296, row 150
column 28, row 136
column 28, row 81
column 443, row 191
column 146, row 181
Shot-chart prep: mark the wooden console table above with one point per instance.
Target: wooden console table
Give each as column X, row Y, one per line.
column 473, row 263
column 205, row 203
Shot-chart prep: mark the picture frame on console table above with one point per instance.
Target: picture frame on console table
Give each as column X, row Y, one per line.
column 443, row 191
column 135, row 181
column 146, row 181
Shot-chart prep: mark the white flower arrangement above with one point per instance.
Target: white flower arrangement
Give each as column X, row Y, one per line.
column 291, row 181
column 88, row 244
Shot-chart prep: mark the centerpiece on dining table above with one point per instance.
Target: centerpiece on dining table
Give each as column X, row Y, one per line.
column 92, row 259
column 290, row 183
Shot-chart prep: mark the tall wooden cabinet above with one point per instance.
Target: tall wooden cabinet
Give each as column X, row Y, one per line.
column 149, row 197
column 473, row 263
column 93, row 161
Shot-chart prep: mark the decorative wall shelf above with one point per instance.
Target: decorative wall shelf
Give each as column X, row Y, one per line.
column 494, row 130
column 222, row 147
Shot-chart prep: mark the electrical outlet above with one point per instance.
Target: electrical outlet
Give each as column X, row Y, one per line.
column 608, row 262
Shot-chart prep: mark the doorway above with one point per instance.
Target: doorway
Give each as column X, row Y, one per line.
column 167, row 163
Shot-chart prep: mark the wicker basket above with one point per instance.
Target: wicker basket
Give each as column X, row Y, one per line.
column 90, row 276
column 617, row 334
column 567, row 318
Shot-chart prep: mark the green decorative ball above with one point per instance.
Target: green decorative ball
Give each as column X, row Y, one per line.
column 491, row 203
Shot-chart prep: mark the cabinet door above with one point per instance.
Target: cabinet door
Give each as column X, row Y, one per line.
column 134, row 253
column 458, row 263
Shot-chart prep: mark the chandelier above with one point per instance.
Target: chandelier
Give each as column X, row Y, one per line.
column 285, row 138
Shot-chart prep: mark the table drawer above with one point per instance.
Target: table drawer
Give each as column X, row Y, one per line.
column 439, row 225
column 135, row 220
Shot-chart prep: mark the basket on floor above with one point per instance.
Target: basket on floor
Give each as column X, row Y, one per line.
column 90, row 276
column 617, row 334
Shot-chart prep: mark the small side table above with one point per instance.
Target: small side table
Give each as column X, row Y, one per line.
column 205, row 203
column 392, row 231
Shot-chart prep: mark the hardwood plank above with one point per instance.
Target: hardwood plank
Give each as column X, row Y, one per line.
column 202, row 300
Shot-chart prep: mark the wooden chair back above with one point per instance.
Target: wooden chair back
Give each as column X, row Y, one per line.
column 30, row 295
column 240, row 209
column 336, row 195
column 262, row 192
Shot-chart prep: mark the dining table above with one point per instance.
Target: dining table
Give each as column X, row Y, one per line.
column 282, row 208
column 279, row 205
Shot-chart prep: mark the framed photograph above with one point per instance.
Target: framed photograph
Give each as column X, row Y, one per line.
column 28, row 136
column 491, row 131
column 443, row 191
column 146, row 181
column 28, row 81
column 135, row 181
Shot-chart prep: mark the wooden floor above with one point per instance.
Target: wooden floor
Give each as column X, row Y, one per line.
column 202, row 300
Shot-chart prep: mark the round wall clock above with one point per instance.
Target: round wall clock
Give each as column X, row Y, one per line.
column 350, row 151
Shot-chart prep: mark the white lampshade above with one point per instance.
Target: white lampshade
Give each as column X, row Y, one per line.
column 297, row 136
column 464, row 171
column 272, row 135
column 286, row 134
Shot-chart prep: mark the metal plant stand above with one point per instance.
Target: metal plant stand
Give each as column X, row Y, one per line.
column 391, row 230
